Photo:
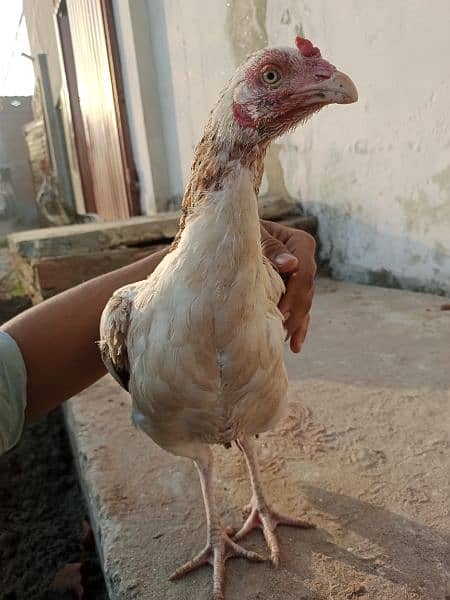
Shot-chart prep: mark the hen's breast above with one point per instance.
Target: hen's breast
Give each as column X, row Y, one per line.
column 205, row 342
column 206, row 361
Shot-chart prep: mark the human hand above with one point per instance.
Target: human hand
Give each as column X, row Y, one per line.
column 291, row 252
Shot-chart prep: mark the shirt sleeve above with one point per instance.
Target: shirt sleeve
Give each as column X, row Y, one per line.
column 13, row 392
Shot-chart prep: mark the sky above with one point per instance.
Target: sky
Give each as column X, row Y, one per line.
column 16, row 71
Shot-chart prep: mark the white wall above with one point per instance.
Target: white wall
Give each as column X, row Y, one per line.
column 205, row 43
column 200, row 62
column 39, row 17
column 377, row 174
column 135, row 104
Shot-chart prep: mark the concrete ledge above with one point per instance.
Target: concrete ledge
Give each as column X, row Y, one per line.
column 49, row 261
column 95, row 237
column 363, row 453
column 92, row 237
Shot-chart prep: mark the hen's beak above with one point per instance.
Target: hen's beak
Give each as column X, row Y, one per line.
column 337, row 89
column 342, row 88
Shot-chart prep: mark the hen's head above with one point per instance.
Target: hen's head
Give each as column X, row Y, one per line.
column 277, row 88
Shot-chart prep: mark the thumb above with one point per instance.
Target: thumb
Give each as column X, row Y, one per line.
column 277, row 253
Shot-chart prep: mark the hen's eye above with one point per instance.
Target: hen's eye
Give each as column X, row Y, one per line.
column 271, row 76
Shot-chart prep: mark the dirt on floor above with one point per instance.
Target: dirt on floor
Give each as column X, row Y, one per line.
column 41, row 519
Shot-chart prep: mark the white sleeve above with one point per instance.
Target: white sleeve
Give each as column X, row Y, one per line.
column 13, row 392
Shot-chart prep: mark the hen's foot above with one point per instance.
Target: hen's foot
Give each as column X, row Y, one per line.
column 263, row 517
column 217, row 551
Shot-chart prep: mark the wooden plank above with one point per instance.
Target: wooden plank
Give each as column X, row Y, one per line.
column 54, row 275
column 98, row 107
column 73, row 113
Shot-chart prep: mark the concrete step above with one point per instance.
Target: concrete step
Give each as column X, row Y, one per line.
column 363, row 453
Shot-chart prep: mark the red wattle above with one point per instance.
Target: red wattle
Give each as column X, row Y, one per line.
column 242, row 116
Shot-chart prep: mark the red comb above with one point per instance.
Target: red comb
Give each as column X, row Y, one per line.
column 306, row 48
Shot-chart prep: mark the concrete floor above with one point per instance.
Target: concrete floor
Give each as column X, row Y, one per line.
column 363, row 453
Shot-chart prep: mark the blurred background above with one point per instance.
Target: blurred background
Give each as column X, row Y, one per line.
column 16, row 92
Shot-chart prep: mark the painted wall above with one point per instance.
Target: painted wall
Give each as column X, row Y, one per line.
column 136, row 105
column 202, row 59
column 377, row 173
column 15, row 113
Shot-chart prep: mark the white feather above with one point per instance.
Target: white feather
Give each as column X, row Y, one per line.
column 205, row 337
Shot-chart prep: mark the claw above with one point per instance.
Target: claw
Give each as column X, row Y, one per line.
column 219, row 549
column 264, row 518
column 261, row 515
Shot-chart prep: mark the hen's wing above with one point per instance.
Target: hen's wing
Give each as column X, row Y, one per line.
column 274, row 284
column 114, row 326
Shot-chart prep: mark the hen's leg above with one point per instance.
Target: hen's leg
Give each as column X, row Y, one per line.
column 219, row 545
column 261, row 515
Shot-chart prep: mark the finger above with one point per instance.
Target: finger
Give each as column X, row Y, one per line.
column 277, row 253
column 296, row 344
column 284, row 262
column 298, row 297
column 302, row 331
column 296, row 341
column 296, row 324
column 299, row 336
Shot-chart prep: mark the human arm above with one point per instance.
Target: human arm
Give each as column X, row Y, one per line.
column 58, row 337
column 292, row 252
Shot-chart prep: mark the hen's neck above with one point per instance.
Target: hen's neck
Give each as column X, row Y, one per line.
column 216, row 164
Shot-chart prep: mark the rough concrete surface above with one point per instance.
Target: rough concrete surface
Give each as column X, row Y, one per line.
column 363, row 453
column 92, row 237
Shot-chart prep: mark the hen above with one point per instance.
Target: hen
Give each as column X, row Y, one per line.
column 199, row 344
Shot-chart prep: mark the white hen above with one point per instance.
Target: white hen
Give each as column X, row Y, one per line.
column 199, row 344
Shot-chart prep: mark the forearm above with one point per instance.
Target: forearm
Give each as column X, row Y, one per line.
column 58, row 337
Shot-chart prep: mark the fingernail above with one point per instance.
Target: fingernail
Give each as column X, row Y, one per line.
column 286, row 315
column 283, row 258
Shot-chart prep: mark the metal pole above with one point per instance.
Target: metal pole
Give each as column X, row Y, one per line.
column 56, row 134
